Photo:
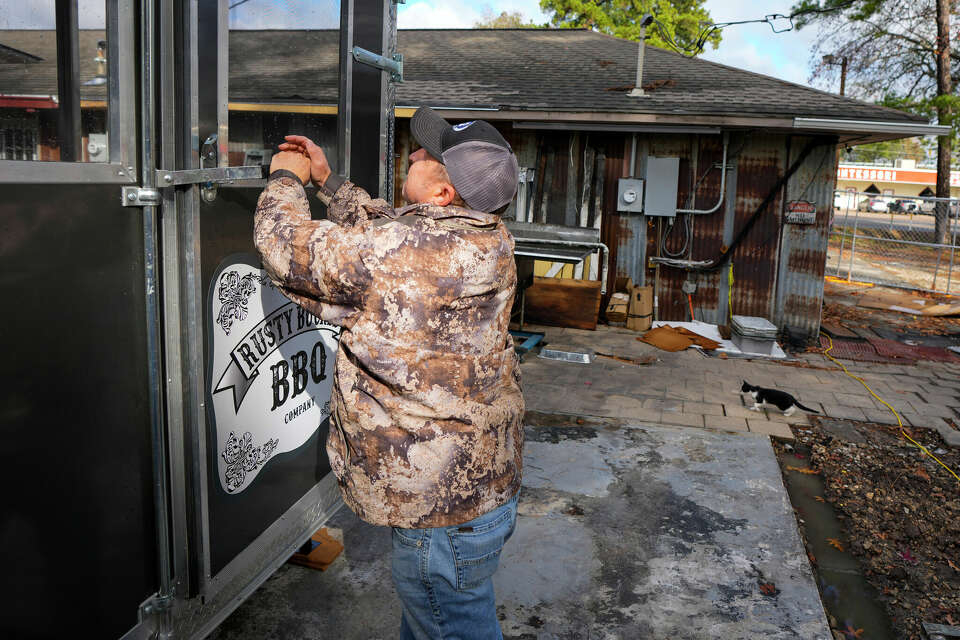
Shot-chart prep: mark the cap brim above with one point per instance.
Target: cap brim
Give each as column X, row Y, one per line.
column 427, row 128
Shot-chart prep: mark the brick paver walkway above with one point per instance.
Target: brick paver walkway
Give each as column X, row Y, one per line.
column 691, row 390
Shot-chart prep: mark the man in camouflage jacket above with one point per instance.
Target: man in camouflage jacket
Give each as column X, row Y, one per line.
column 426, row 413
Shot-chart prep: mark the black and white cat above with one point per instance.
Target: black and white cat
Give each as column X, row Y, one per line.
column 780, row 399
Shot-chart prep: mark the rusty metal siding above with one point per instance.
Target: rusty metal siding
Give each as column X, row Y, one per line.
column 671, row 301
column 632, row 241
column 804, row 247
column 759, row 162
column 614, row 229
column 778, row 269
column 707, row 236
column 754, row 262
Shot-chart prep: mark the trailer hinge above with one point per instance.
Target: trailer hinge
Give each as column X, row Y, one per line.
column 154, row 617
column 139, row 197
column 155, row 605
column 394, row 65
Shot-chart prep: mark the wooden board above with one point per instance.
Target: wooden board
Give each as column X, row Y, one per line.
column 563, row 303
column 907, row 302
column 837, row 330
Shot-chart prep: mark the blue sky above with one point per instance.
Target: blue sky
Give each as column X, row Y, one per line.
column 753, row 46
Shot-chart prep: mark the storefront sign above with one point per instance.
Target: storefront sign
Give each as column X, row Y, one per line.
column 903, row 176
column 270, row 371
column 801, row 212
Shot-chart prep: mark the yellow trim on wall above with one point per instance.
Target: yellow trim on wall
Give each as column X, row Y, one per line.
column 93, row 104
column 320, row 109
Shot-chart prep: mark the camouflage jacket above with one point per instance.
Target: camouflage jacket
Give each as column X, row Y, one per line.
column 426, row 414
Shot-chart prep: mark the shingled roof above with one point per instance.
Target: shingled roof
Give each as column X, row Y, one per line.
column 534, row 71
column 584, row 71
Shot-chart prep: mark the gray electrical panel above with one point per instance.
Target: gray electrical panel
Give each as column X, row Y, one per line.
column 663, row 177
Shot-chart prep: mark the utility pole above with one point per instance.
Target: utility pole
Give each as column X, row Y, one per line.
column 842, row 61
column 944, row 116
column 843, row 75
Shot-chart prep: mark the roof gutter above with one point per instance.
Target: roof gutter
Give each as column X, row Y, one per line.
column 615, row 127
column 905, row 129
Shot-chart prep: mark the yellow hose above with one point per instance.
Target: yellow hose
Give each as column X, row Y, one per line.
column 897, row 415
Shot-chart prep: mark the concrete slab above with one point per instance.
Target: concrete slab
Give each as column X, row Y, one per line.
column 624, row 532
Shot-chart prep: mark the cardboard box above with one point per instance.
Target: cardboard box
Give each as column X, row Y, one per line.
column 616, row 311
column 640, row 309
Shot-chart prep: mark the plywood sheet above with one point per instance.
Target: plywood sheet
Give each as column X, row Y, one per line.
column 563, row 303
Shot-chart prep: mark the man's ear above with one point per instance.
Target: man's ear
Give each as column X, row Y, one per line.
column 443, row 194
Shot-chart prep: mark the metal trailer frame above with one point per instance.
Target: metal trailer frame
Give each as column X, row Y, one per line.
column 182, row 103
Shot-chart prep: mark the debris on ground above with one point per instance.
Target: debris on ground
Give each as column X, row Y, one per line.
column 842, row 305
column 899, row 512
column 670, row 338
column 643, row 360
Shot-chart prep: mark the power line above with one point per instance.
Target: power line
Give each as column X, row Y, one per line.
column 237, row 4
column 710, row 29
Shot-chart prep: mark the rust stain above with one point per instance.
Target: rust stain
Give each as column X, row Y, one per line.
column 803, row 305
column 806, row 260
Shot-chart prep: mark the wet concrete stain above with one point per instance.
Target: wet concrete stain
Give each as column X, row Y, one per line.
column 671, row 556
column 557, row 434
column 626, row 532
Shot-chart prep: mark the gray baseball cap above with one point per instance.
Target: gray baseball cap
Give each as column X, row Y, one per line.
column 480, row 162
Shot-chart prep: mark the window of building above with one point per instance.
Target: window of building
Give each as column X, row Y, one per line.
column 54, row 81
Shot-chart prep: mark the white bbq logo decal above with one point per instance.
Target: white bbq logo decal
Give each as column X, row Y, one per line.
column 270, row 373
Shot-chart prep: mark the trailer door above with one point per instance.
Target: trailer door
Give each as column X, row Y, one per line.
column 249, row 373
column 80, row 370
column 164, row 407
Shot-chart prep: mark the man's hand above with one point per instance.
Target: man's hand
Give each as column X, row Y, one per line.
column 292, row 161
column 319, row 167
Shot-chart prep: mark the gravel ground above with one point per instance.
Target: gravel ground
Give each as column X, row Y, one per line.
column 900, row 515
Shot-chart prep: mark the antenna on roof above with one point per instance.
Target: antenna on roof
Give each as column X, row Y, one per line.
column 645, row 21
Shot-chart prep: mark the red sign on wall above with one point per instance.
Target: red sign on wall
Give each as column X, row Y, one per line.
column 801, row 212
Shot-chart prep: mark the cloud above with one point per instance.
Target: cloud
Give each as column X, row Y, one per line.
column 39, row 14
column 746, row 49
column 285, row 14
column 460, row 14
column 437, row 15
column 755, row 47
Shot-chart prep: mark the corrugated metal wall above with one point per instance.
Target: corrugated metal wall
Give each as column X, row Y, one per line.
column 778, row 268
column 803, row 248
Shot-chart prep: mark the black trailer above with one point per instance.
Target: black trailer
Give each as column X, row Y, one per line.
column 162, row 408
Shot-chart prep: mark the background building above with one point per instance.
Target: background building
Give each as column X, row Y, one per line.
column 740, row 149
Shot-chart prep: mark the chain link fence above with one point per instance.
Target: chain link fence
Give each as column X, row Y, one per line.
column 891, row 240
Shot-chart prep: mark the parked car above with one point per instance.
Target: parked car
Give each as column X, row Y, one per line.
column 903, row 205
column 930, row 207
column 876, row 205
column 843, row 200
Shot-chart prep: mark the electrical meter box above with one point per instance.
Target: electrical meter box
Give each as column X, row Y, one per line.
column 97, row 147
column 663, row 177
column 630, row 195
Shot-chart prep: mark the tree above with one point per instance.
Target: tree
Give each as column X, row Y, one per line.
column 888, row 152
column 511, row 20
column 679, row 22
column 898, row 54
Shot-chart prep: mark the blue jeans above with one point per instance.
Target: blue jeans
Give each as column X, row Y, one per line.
column 444, row 577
